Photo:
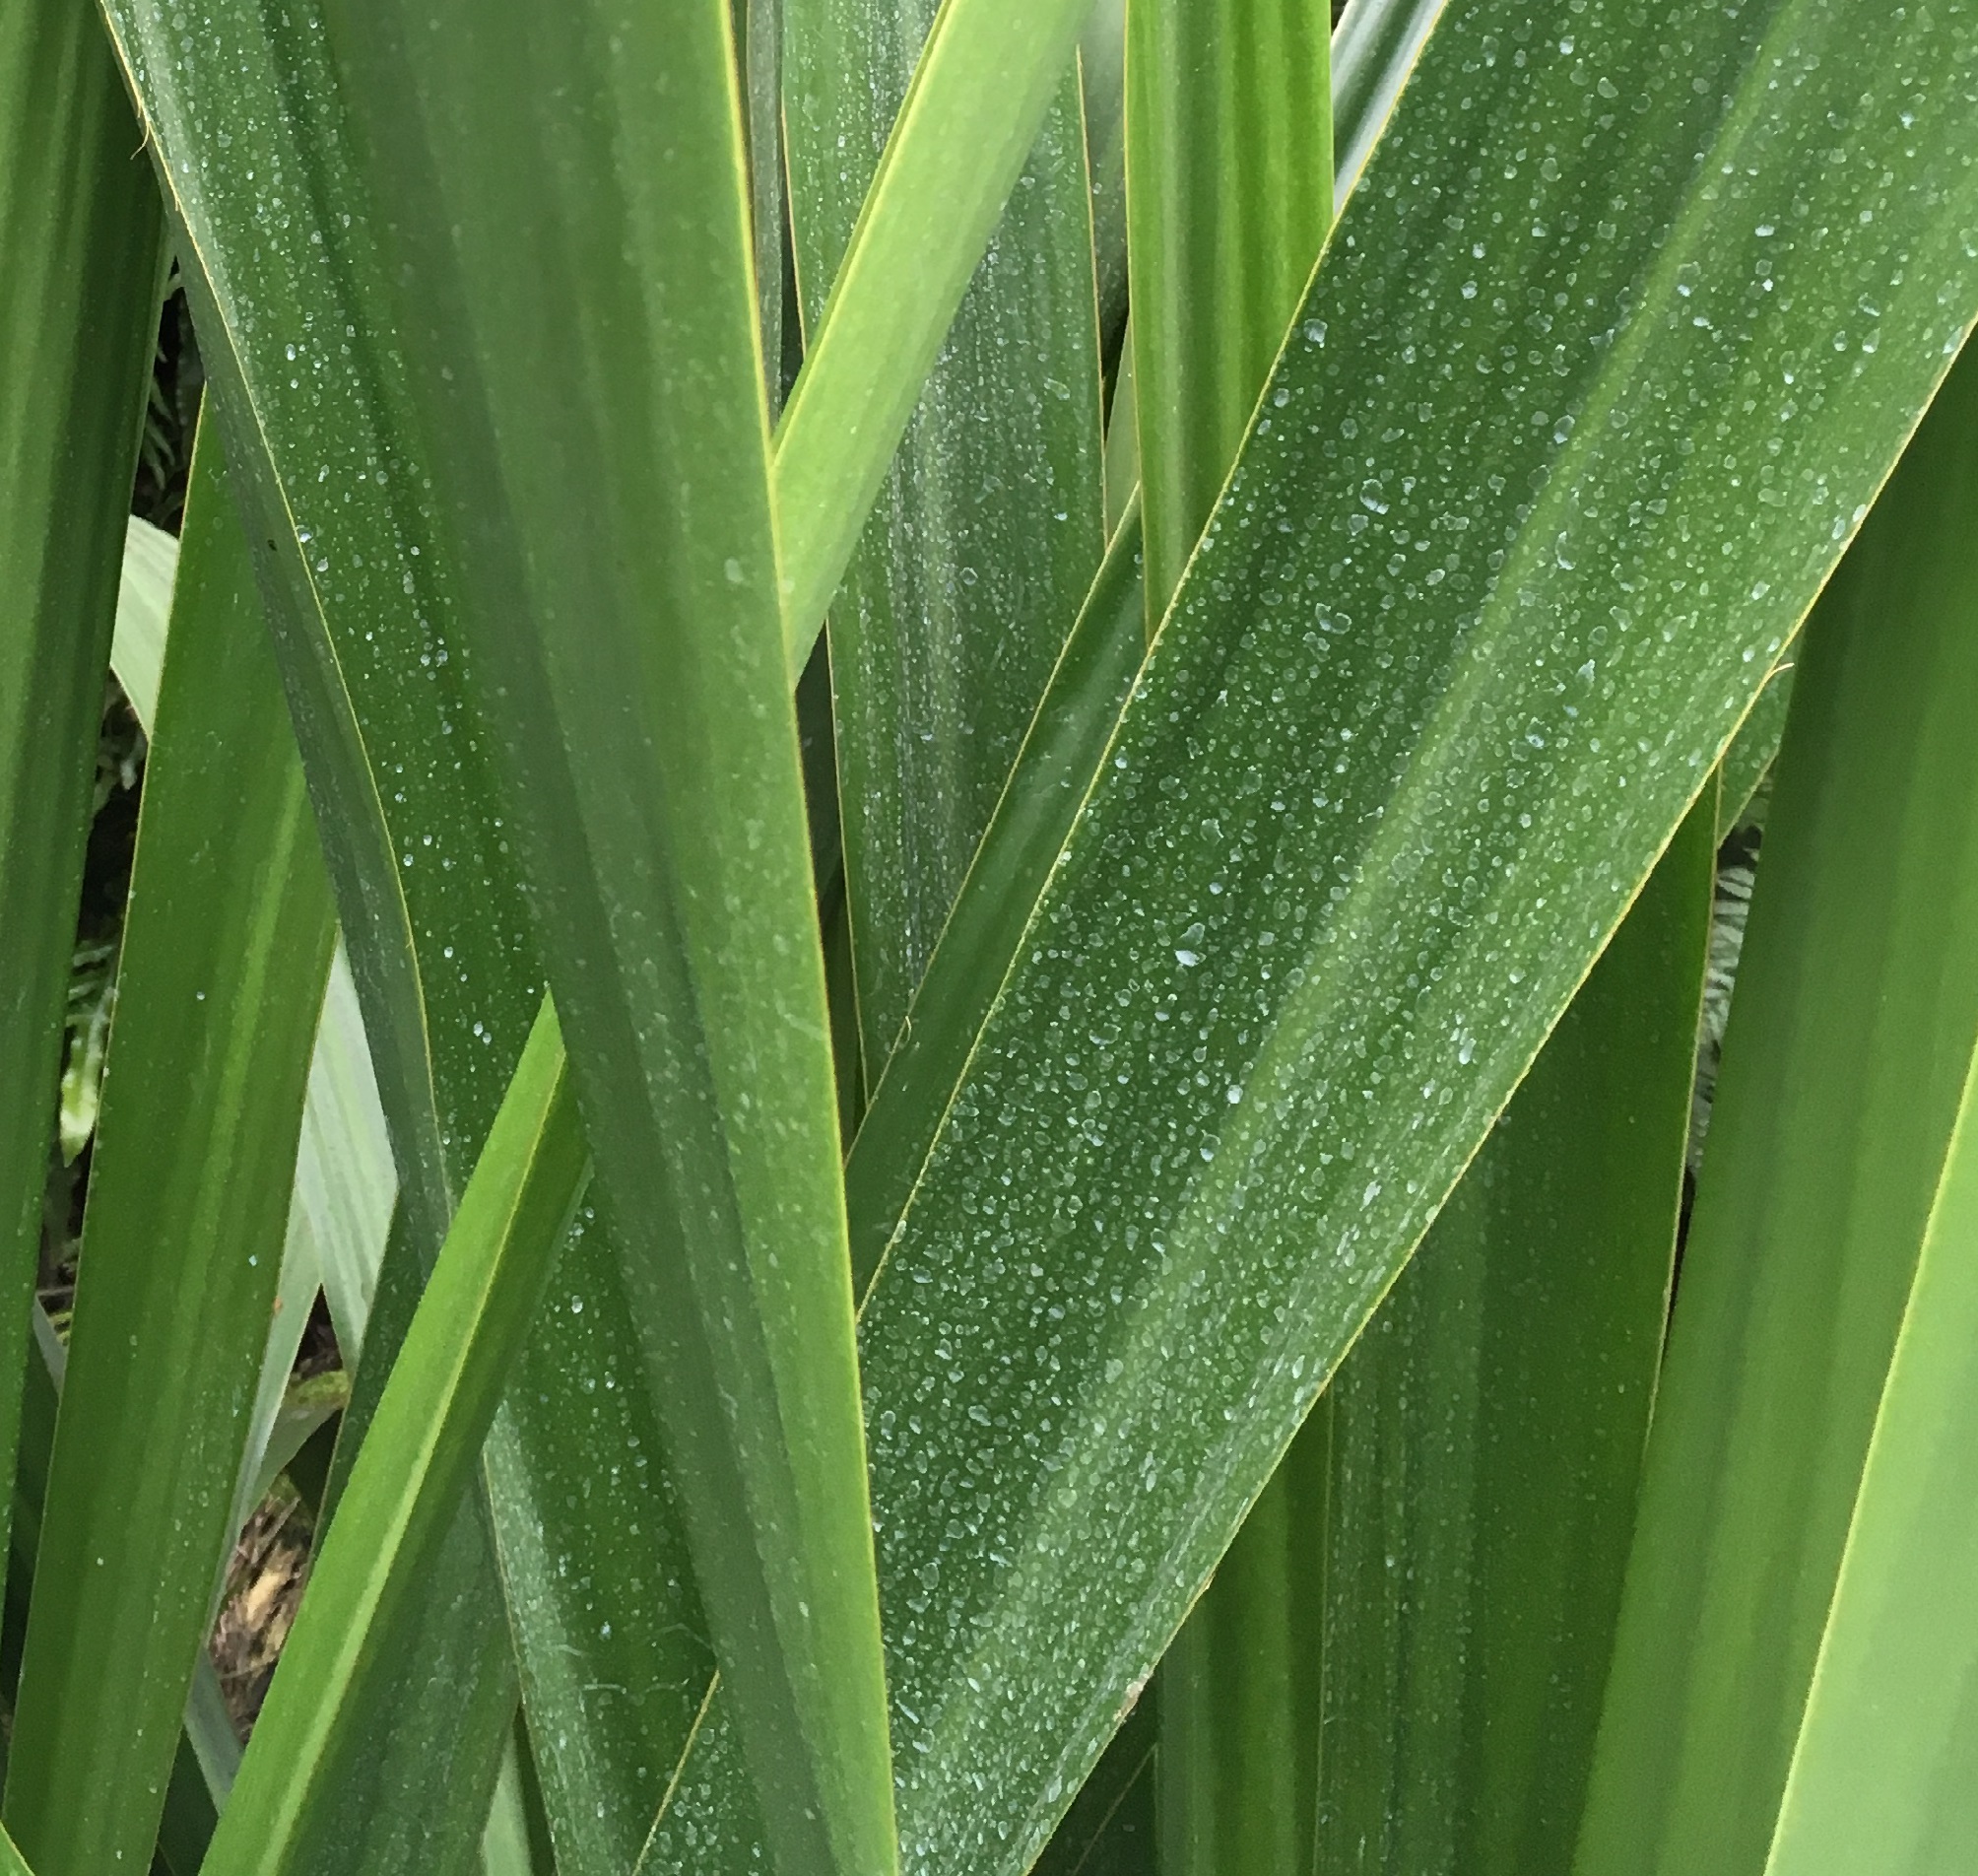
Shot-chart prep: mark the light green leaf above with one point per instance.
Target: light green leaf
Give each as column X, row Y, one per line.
column 622, row 619
column 409, row 1476
column 1881, row 1776
column 1230, row 192
column 79, row 230
column 989, row 529
column 1488, row 1433
column 1850, row 1033
column 143, row 614
column 226, row 946
column 1420, row 774
column 969, row 120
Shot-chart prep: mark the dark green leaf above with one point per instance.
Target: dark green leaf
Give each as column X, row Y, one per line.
column 1488, row 1433
column 79, row 230
column 618, row 564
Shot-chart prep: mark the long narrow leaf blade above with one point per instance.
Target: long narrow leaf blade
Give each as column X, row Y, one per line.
column 226, row 946
column 638, row 697
column 1881, row 1777
column 1374, row 807
column 989, row 529
column 409, row 1478
column 969, row 120
column 78, row 228
column 1230, row 192
column 1851, row 1031
column 362, row 599
column 1488, row 1433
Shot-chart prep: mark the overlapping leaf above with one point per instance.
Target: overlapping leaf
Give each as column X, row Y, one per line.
column 988, row 530
column 79, row 229
column 1487, row 1433
column 1617, row 337
column 1846, row 1058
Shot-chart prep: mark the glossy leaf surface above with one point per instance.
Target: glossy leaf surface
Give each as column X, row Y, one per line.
column 78, row 314
column 1849, row 1035
column 1116, row 1289
column 1489, row 1427
column 965, row 128
column 421, row 1456
column 622, row 616
column 225, row 944
column 988, row 530
column 1230, row 192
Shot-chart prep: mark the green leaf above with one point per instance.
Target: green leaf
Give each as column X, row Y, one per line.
column 1374, row 49
column 968, row 120
column 1109, row 1830
column 1881, row 1777
column 1230, row 192
column 226, row 942
column 990, row 527
column 78, row 314
column 143, row 614
column 409, row 1478
column 362, row 602
column 637, row 693
column 1046, row 788
column 1421, row 771
column 1749, row 760
column 1850, row 1034
column 1488, row 1433
column 1229, row 185
column 1238, row 1688
column 345, row 1181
